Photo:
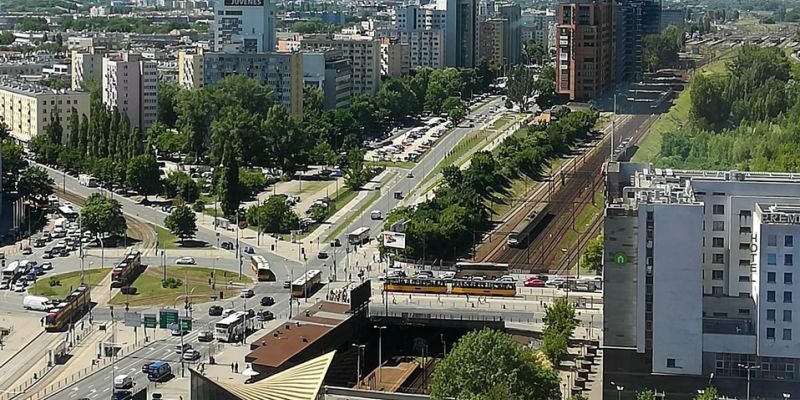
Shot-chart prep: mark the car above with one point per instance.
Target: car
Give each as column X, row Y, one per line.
column 287, row 284
column 322, row 254
column 227, row 245
column 249, row 250
column 507, row 278
column 447, row 275
column 557, row 283
column 146, row 367
column 265, row 315
column 47, row 255
column 246, row 293
column 47, row 266
column 185, row 261
column 39, row 242
column 128, row 290
column 4, row 285
column 336, row 243
column 191, row 355
column 19, row 286
column 534, row 282
column 205, row 336
column 63, row 253
column 251, row 313
column 122, row 395
column 410, row 174
column 267, row 301
column 182, row 348
column 215, row 310
column 228, row 312
column 27, row 251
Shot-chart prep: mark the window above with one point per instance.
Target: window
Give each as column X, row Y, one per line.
column 772, row 240
column 770, row 277
column 744, row 278
column 787, row 297
column 770, row 296
column 718, row 242
column 717, row 275
column 744, row 311
column 718, row 258
column 770, row 333
column 772, row 259
column 787, row 278
column 717, row 291
column 788, row 259
column 671, row 363
column 770, row 315
column 787, row 315
column 788, row 241
column 787, row 334
column 718, row 209
column 718, row 226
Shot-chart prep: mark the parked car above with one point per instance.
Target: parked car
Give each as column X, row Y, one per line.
column 182, row 348
column 322, row 254
column 19, row 286
column 246, row 293
column 63, row 253
column 267, row 301
column 47, row 266
column 534, row 282
column 228, row 312
column 205, row 336
column 227, row 245
column 146, row 366
column 185, row 261
column 215, row 311
column 336, row 243
column 249, row 250
column 129, row 290
column 27, row 251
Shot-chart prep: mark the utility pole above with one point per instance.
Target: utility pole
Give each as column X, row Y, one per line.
column 380, row 351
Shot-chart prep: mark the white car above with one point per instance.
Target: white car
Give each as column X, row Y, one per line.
column 19, row 286
column 185, row 261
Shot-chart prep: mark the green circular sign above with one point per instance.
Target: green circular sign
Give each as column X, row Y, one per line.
column 620, row 258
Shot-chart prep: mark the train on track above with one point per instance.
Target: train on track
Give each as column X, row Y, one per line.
column 69, row 311
column 518, row 237
column 450, row 286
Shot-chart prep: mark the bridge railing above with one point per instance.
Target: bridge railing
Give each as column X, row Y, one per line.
column 378, row 312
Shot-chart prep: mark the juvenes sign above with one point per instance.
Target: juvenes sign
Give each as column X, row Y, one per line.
column 244, row 3
column 779, row 218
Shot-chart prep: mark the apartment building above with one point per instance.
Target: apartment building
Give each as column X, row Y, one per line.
column 461, row 33
column 190, row 69
column 633, row 20
column 673, row 16
column 423, row 29
column 512, row 32
column 130, row 83
column 86, row 65
column 244, row 26
column 328, row 71
column 491, row 35
column 412, row 17
column 28, row 108
column 395, row 58
column 699, row 277
column 585, row 49
column 538, row 26
column 363, row 53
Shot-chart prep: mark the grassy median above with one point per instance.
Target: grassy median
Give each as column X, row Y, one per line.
column 66, row 282
column 184, row 279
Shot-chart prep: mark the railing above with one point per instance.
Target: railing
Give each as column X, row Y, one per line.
column 375, row 312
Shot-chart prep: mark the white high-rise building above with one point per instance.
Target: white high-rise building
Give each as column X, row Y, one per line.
column 130, row 83
column 244, row 26
column 698, row 277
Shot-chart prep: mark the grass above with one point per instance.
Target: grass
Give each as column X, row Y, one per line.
column 468, row 143
column 166, row 239
column 582, row 221
column 310, row 187
column 195, row 282
column 603, row 120
column 392, row 164
column 370, row 200
column 69, row 281
column 502, row 121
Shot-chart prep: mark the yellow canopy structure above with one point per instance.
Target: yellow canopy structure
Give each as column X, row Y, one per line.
column 297, row 383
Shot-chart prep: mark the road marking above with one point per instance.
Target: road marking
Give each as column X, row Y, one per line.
column 105, row 390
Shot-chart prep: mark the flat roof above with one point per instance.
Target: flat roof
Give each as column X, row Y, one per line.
column 294, row 336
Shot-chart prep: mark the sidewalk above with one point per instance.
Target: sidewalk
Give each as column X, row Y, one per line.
column 24, row 329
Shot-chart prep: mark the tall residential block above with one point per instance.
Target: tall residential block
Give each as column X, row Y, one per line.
column 244, row 26
column 86, row 65
column 585, row 49
column 190, row 69
column 363, row 52
column 512, row 32
column 539, row 26
column 130, row 83
column 461, row 34
column 395, row 57
column 699, row 281
column 28, row 109
column 328, row 71
column 633, row 20
column 491, row 40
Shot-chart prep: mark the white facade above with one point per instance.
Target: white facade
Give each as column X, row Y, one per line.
column 363, row 52
column 539, row 26
column 413, row 17
column 244, row 26
column 130, row 83
column 28, row 109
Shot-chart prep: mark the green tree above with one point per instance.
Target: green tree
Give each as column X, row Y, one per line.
column 54, row 129
column 592, row 258
column 709, row 393
column 182, row 222
column 485, row 359
column 545, row 88
column 166, row 141
column 103, row 215
column 251, row 182
column 179, row 183
column 228, row 189
column 356, row 173
column 554, row 346
column 273, row 216
column 13, row 163
column 561, row 317
column 645, row 395
column 534, row 53
column 199, row 206
column 73, row 128
column 455, row 108
column 34, row 183
column 167, row 103
column 521, row 86
column 142, row 175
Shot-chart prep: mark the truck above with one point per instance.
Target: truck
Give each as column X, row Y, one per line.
column 87, row 180
column 358, row 236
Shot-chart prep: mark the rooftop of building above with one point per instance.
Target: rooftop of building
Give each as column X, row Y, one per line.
column 30, row 89
column 284, row 342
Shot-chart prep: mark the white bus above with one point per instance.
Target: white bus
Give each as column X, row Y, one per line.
column 358, row 236
column 261, row 268
column 231, row 328
column 87, row 180
column 68, row 212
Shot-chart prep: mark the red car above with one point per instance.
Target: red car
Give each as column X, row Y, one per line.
column 534, row 282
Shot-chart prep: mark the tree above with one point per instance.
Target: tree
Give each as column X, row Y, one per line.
column 142, row 175
column 592, row 258
column 34, row 183
column 561, row 317
column 313, row 100
column 251, row 182
column 273, row 216
column 228, row 188
column 167, row 103
column 182, row 222
column 12, row 163
column 521, row 86
column 356, row 174
column 166, row 141
column 54, row 129
column 555, row 346
column 645, row 395
column 73, row 128
column 483, row 360
column 545, row 88
column 179, row 183
column 534, row 52
column 103, row 215
column 455, row 108
column 709, row 393
column 199, row 206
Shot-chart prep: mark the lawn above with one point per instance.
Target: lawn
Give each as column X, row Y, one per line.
column 466, row 145
column 309, row 187
column 371, row 198
column 394, row 164
column 166, row 240
column 194, row 281
column 69, row 281
column 583, row 221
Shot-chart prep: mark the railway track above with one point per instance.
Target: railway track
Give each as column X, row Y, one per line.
column 566, row 202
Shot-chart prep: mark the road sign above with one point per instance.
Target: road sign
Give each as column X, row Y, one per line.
column 149, row 320
column 186, row 324
column 620, row 258
column 133, row 319
column 167, row 317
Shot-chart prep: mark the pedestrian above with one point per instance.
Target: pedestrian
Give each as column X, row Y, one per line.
column 42, row 321
column 232, row 367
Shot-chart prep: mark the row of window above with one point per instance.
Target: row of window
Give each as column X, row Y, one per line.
column 787, row 277
column 787, row 296
column 772, row 259
column 787, row 315
column 787, row 334
column 772, row 241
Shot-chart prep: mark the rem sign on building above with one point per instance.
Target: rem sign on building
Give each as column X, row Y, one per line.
column 244, row 3
column 780, row 218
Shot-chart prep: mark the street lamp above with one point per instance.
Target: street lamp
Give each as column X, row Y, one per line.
column 748, row 368
column 619, row 388
column 380, row 351
column 787, row 396
column 359, row 349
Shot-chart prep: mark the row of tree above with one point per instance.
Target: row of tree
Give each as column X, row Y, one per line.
column 661, row 50
column 448, row 223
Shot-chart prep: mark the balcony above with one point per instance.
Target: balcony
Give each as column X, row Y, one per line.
column 729, row 326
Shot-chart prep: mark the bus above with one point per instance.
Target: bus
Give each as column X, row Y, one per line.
column 358, row 236
column 261, row 268
column 68, row 212
column 231, row 328
column 9, row 275
column 87, row 180
column 307, row 283
column 125, row 272
column 68, row 311
column 485, row 270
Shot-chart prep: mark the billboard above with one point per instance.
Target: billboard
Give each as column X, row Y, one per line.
column 394, row 239
column 244, row 3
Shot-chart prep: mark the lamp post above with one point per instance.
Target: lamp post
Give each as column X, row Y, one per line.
column 359, row 349
column 380, row 351
column 787, row 396
column 619, row 388
column 748, row 368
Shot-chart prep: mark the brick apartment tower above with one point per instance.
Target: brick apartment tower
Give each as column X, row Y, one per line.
column 585, row 43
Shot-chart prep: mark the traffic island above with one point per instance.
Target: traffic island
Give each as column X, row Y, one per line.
column 59, row 286
column 170, row 285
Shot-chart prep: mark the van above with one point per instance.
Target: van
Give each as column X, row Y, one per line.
column 36, row 303
column 159, row 371
column 376, row 214
column 123, row 382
